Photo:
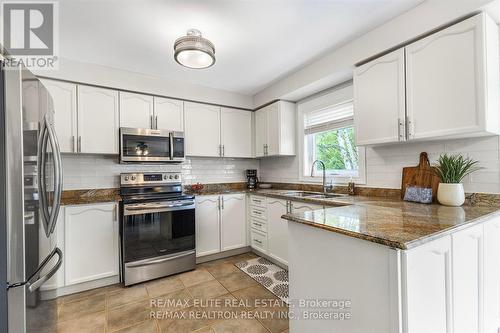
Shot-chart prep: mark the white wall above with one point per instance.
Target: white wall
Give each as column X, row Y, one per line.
column 97, row 171
column 384, row 164
column 120, row 79
column 336, row 66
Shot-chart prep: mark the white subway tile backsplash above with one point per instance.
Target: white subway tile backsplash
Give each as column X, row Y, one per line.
column 384, row 164
column 95, row 171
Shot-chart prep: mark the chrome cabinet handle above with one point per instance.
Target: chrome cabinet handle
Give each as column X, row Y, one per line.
column 223, row 151
column 73, row 144
column 79, row 148
column 222, row 202
column 156, row 122
column 151, row 123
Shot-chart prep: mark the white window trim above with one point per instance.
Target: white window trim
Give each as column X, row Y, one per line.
column 325, row 100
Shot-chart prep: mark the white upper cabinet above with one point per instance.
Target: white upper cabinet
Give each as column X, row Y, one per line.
column 98, row 120
column 379, row 114
column 260, row 132
column 275, row 130
column 452, row 81
column 233, row 221
column 136, row 110
column 236, row 133
column 202, row 130
column 169, row 114
column 65, row 117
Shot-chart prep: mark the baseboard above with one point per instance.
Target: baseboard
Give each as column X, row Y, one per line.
column 222, row 255
column 76, row 288
column 271, row 259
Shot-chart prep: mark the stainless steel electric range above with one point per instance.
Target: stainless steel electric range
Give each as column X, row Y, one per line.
column 157, row 226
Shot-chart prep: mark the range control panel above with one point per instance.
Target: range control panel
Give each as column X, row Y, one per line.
column 150, row 178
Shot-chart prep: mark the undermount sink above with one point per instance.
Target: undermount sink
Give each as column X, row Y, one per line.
column 300, row 194
column 319, row 195
column 329, row 195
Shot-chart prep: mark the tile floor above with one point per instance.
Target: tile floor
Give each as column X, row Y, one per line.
column 119, row 309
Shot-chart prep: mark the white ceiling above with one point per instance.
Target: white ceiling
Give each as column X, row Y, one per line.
column 256, row 41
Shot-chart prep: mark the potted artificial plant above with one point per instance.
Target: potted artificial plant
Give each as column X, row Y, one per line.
column 452, row 169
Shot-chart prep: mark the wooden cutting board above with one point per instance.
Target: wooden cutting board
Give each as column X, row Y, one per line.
column 423, row 175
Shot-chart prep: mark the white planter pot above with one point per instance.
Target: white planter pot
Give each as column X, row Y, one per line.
column 451, row 194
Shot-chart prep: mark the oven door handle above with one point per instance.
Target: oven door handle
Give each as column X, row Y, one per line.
column 159, row 261
column 136, row 210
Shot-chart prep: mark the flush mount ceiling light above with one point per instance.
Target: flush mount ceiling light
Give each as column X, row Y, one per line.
column 194, row 51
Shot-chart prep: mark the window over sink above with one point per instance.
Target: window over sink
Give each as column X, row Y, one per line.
column 329, row 135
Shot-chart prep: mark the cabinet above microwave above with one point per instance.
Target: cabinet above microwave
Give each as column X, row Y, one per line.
column 445, row 85
column 144, row 145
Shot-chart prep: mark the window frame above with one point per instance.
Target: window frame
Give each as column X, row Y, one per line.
column 338, row 95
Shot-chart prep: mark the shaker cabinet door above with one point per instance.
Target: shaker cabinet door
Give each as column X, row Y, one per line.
column 98, row 120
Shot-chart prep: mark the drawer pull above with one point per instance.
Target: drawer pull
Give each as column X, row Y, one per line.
column 256, row 200
column 257, row 212
column 257, row 241
column 259, row 224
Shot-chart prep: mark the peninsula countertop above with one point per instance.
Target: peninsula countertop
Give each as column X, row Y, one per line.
column 391, row 221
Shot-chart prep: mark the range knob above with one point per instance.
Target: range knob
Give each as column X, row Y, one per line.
column 133, row 177
column 171, row 177
column 126, row 178
column 165, row 177
column 176, row 176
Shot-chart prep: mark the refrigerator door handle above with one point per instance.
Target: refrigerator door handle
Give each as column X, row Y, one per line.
column 58, row 178
column 44, row 207
column 35, row 281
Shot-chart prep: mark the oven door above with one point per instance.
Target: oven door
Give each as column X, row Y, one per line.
column 158, row 239
column 144, row 145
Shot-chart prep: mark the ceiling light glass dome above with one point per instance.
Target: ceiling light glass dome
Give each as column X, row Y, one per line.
column 194, row 51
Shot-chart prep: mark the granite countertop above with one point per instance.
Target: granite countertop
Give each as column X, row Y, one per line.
column 391, row 221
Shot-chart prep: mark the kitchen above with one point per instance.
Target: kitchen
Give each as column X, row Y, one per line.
column 343, row 179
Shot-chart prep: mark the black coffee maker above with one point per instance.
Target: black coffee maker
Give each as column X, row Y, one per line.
column 252, row 179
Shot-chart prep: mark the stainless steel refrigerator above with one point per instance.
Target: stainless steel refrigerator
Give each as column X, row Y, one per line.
column 30, row 196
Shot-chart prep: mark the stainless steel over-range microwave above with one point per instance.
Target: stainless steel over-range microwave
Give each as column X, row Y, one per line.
column 144, row 145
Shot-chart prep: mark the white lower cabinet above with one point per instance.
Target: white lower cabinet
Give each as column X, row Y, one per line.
column 491, row 275
column 233, row 222
column 429, row 287
column 220, row 223
column 91, row 242
column 277, row 230
column 207, row 225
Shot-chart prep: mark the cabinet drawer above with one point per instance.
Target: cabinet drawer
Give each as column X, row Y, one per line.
column 258, row 201
column 258, row 240
column 258, row 213
column 258, row 224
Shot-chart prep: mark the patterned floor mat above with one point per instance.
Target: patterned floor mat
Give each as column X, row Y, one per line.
column 271, row 276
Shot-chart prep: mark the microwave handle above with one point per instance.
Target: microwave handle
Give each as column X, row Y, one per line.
column 171, row 140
